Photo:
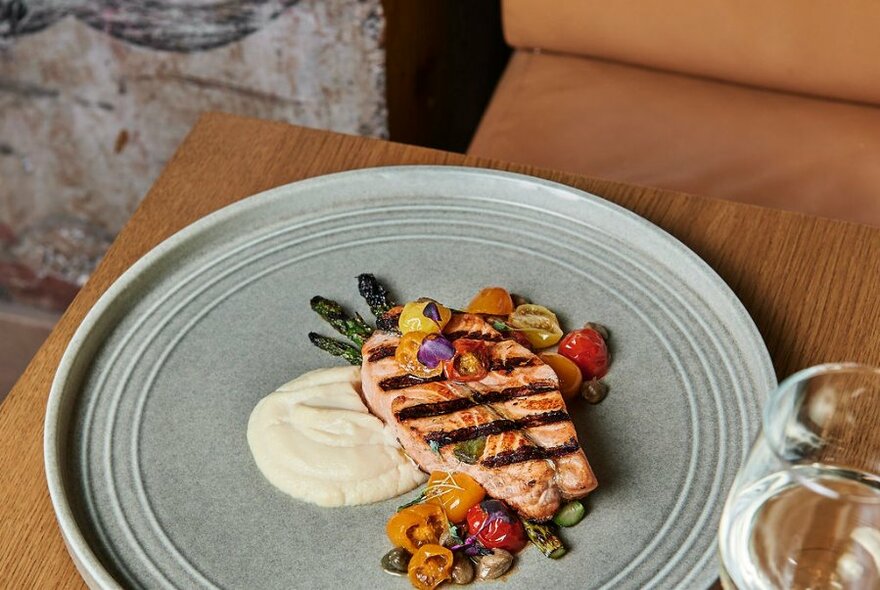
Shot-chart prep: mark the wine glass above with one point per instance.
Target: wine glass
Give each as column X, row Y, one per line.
column 804, row 510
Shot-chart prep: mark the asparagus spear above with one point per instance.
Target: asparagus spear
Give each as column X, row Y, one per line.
column 353, row 328
column 337, row 348
column 375, row 293
column 388, row 322
column 544, row 537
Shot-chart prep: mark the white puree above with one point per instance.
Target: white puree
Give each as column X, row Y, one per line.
column 314, row 439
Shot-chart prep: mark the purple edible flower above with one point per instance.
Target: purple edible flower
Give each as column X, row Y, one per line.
column 432, row 312
column 434, row 350
column 496, row 509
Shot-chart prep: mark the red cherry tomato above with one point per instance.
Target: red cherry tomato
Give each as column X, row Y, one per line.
column 496, row 526
column 470, row 362
column 587, row 349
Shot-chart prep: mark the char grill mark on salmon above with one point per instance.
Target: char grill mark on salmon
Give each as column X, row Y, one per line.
column 406, row 380
column 512, row 363
column 531, row 460
column 453, row 336
column 509, row 393
column 443, row 438
column 449, row 406
column 531, row 453
column 382, row 352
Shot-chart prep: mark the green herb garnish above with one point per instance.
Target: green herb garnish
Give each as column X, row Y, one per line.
column 470, row 451
column 418, row 500
column 455, row 533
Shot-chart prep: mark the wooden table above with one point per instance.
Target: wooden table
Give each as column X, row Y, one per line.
column 812, row 285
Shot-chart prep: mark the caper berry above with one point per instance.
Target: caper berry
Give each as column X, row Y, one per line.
column 462, row 570
column 396, row 561
column 594, row 391
column 494, row 565
column 603, row 331
column 446, row 538
column 519, row 300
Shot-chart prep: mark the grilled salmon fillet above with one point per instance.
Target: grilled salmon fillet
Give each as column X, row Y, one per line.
column 532, row 459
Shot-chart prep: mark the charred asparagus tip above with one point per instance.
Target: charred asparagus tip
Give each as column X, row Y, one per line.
column 353, row 328
column 337, row 348
column 374, row 292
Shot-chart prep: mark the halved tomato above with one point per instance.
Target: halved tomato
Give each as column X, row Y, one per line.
column 491, row 300
column 570, row 378
column 539, row 324
column 470, row 363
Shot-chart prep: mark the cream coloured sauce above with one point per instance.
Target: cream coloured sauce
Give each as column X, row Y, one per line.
column 314, row 439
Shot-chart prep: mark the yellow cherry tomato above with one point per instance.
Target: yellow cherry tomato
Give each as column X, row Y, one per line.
column 430, row 566
column 424, row 315
column 570, row 377
column 537, row 323
column 491, row 300
column 417, row 525
column 456, row 492
column 407, row 356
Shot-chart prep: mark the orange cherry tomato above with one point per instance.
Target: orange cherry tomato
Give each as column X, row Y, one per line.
column 430, row 566
column 491, row 300
column 456, row 492
column 407, row 356
column 417, row 525
column 570, row 377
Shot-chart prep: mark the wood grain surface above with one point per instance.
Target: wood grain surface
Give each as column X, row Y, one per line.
column 810, row 284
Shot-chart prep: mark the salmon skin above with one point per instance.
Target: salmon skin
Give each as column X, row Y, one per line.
column 532, row 459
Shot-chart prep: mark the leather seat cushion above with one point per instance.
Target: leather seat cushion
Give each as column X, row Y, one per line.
column 823, row 47
column 689, row 134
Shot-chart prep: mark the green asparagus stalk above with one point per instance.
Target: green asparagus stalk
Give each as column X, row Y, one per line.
column 337, row 348
column 353, row 328
column 375, row 293
column 545, row 539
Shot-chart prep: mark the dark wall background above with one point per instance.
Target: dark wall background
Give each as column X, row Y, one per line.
column 443, row 60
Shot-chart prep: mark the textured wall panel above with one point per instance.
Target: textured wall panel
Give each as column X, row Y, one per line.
column 95, row 96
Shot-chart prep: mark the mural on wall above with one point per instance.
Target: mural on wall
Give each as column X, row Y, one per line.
column 158, row 24
column 96, row 95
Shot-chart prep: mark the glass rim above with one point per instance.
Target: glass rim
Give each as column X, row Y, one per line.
column 784, row 387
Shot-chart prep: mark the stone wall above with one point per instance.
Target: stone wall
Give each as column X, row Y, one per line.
column 96, row 94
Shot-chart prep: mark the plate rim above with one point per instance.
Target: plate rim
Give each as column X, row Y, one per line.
column 85, row 559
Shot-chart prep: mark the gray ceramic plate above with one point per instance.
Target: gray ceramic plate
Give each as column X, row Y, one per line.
column 146, row 456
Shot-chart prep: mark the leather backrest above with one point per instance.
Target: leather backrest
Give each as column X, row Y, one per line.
column 828, row 48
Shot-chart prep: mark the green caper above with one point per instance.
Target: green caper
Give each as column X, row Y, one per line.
column 594, row 391
column 462, row 570
column 396, row 561
column 519, row 300
column 446, row 538
column 570, row 514
column 494, row 565
column 603, row 331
